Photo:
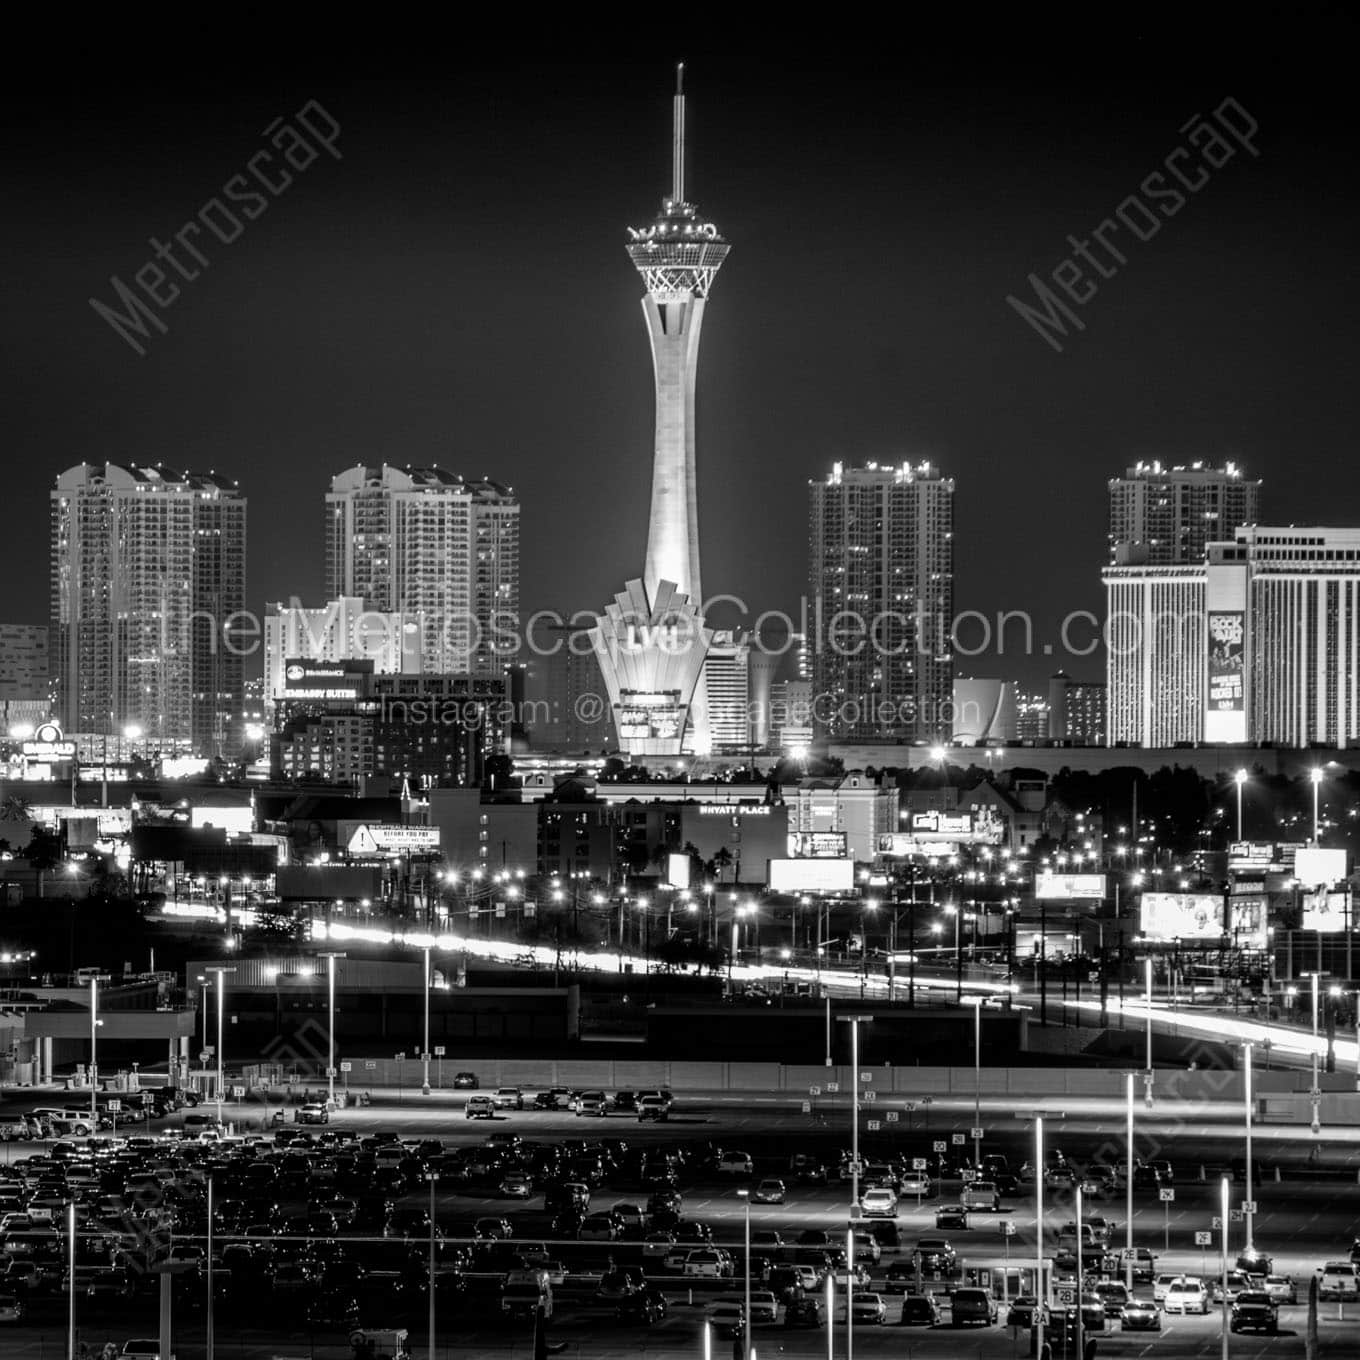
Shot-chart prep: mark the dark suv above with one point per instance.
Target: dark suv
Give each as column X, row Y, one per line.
column 1254, row 1312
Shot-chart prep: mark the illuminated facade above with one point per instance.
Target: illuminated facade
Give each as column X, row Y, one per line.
column 678, row 256
column 881, row 579
column 1163, row 516
column 1260, row 642
column 148, row 575
column 425, row 542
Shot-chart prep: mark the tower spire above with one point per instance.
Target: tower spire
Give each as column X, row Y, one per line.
column 678, row 136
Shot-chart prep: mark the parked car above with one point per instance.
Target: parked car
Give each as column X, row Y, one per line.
column 1237, row 1283
column 764, row 1306
column 1144, row 1263
column 769, row 1191
column 646, row 1307
column 592, row 1105
column 1140, row 1315
column 1022, row 1309
column 1113, row 1295
column 516, row 1185
column 914, row 1183
column 878, row 1201
column 951, row 1216
column 508, row 1098
column 1337, row 1281
column 735, row 1164
column 653, row 1108
column 804, row 1311
column 980, row 1195
column 480, row 1107
column 1186, row 1295
column 1254, row 1311
column 464, row 1081
column 869, row 1308
column 919, row 1310
column 969, row 1306
column 1281, row 1289
column 726, row 1319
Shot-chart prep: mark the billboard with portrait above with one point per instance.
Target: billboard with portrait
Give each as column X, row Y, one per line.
column 1182, row 916
column 1227, row 688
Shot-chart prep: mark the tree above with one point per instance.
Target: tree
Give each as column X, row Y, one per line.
column 44, row 852
column 722, row 860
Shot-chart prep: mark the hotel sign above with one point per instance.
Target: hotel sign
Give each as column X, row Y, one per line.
column 48, row 743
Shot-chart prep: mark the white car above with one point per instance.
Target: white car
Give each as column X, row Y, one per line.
column 736, row 1164
column 508, row 1098
column 1337, row 1281
column 981, row 1195
column 764, row 1306
column 1160, row 1285
column 915, row 1183
column 1186, row 1295
column 878, row 1202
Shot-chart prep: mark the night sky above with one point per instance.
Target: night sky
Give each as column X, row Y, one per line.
column 455, row 289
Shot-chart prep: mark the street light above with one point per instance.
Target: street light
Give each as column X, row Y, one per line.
column 1225, row 1323
column 746, row 1307
column 1040, row 1293
column 221, row 973
column 425, row 1047
column 95, row 1022
column 977, row 1084
column 854, row 1022
column 330, row 956
column 1249, row 1207
column 433, row 1178
column 1128, row 1182
column 1239, row 779
column 1147, row 1075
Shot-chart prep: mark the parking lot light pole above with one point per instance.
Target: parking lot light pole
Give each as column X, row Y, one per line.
column 1249, row 1207
column 854, row 1022
column 221, row 975
column 1315, row 1093
column 425, row 1047
column 746, row 1288
column 94, row 1056
column 1147, row 1074
column 433, row 1179
column 1128, row 1182
column 1223, row 1273
column 1081, row 1340
column 71, row 1301
column 1040, row 1294
column 977, row 1086
column 330, row 956
column 209, row 1339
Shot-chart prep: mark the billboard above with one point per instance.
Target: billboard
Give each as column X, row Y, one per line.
column 1182, row 916
column 1247, row 915
column 1324, row 911
column 812, row 875
column 386, row 838
column 820, row 844
column 1227, row 688
column 1069, row 887
column 677, row 870
column 1317, row 868
column 324, row 681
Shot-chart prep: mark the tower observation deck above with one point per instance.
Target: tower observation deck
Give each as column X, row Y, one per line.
column 678, row 256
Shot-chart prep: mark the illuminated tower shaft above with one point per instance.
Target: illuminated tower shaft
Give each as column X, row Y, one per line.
column 678, row 257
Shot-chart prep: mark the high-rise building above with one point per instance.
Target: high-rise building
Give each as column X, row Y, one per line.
column 148, row 579
column 727, row 676
column 563, row 692
column 1260, row 642
column 25, row 685
column 1161, row 516
column 1031, row 718
column 651, row 642
column 1076, row 710
column 424, row 542
column 340, row 630
column 882, row 588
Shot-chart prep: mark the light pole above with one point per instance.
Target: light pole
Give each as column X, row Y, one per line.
column 94, row 1060
column 854, row 1022
column 977, row 1084
column 71, row 1302
column 1315, row 775
column 1040, row 1293
column 1128, row 1182
column 1081, row 1343
column 330, row 956
column 425, row 1048
column 1239, row 779
column 433, row 1180
column 209, row 1339
column 1315, row 1093
column 221, row 974
column 1147, row 1074
column 1249, row 1207
column 1225, row 1323
column 746, row 1305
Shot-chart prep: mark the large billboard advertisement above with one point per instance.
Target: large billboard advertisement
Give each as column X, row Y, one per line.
column 1182, row 916
column 812, row 875
column 1070, row 888
column 1248, row 915
column 1227, row 687
column 1318, row 868
column 1324, row 911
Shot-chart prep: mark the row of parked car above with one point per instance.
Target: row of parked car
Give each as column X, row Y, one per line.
column 641, row 1105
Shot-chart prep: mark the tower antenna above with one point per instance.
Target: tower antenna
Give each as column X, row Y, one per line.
column 678, row 136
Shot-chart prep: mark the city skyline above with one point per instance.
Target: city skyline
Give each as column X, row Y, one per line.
column 790, row 387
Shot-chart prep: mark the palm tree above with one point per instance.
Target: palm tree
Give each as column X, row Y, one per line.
column 722, row 860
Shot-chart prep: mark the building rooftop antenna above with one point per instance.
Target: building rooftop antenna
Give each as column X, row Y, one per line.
column 678, row 136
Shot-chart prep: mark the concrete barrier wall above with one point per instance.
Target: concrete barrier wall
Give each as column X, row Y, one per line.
column 897, row 1084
